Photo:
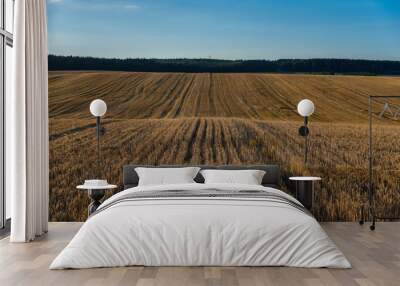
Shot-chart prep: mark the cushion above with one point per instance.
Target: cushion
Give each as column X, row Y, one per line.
column 166, row 176
column 247, row 177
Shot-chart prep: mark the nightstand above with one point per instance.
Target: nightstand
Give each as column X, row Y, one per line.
column 305, row 190
column 96, row 193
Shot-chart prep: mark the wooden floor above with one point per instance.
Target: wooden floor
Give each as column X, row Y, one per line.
column 375, row 257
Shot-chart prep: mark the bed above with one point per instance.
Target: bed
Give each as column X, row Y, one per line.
column 197, row 224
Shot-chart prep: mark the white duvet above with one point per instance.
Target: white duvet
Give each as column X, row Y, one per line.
column 200, row 231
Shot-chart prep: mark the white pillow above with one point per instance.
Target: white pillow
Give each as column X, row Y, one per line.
column 166, row 176
column 248, row 177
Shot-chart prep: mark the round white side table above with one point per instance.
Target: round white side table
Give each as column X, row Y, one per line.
column 305, row 189
column 95, row 193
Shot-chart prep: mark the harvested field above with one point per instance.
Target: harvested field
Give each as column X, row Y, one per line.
column 222, row 119
column 253, row 96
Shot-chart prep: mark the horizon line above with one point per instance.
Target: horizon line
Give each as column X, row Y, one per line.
column 230, row 60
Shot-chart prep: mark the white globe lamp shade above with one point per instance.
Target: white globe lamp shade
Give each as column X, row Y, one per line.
column 305, row 108
column 98, row 107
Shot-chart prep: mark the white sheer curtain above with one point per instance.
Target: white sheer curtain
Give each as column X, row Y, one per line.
column 27, row 153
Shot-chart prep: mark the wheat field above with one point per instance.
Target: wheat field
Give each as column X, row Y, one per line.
column 170, row 118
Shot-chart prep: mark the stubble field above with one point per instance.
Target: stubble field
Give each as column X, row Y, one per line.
column 169, row 118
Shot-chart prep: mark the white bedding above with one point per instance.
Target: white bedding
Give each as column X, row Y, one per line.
column 200, row 231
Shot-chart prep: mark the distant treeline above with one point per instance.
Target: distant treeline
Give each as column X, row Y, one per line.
column 321, row 66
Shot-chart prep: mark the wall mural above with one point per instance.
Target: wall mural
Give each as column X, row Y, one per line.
column 210, row 118
column 172, row 115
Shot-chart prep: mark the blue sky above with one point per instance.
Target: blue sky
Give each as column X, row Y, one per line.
column 246, row 29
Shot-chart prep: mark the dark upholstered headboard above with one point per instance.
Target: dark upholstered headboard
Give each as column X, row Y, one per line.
column 272, row 176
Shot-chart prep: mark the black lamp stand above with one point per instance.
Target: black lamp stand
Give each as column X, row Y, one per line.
column 304, row 131
column 99, row 132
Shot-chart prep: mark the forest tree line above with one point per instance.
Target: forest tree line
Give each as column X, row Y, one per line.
column 319, row 66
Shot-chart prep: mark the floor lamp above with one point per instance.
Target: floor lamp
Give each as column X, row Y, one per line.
column 371, row 189
column 98, row 108
column 305, row 108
